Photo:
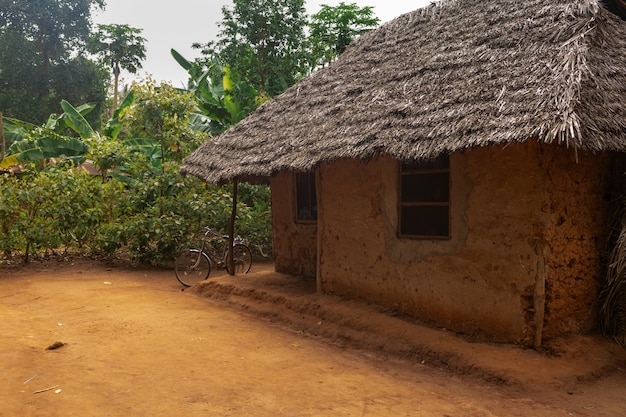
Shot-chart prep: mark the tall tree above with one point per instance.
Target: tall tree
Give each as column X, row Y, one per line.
column 80, row 80
column 19, row 76
column 35, row 38
column 54, row 26
column 333, row 28
column 121, row 47
column 264, row 41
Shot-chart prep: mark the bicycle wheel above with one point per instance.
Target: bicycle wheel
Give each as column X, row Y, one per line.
column 192, row 267
column 242, row 258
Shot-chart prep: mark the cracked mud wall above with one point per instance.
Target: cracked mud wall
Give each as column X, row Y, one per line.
column 471, row 283
column 577, row 200
column 523, row 263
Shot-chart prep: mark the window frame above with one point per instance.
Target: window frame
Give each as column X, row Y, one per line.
column 423, row 169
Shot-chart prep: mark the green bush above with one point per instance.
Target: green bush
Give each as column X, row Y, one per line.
column 75, row 205
column 9, row 212
column 65, row 209
column 139, row 207
column 35, row 228
column 255, row 224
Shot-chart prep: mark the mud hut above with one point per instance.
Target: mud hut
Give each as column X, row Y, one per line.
column 456, row 165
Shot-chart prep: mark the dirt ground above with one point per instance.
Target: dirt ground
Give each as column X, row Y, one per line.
column 132, row 343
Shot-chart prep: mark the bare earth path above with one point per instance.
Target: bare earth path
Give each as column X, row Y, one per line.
column 135, row 345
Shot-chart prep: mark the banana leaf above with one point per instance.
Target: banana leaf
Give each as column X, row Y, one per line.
column 114, row 126
column 201, row 123
column 45, row 148
column 62, row 146
column 15, row 130
column 58, row 123
column 76, row 121
column 187, row 65
column 146, row 146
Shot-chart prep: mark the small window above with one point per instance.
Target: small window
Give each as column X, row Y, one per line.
column 306, row 199
column 425, row 199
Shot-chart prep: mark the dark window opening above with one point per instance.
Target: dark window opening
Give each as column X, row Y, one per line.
column 306, row 199
column 425, row 199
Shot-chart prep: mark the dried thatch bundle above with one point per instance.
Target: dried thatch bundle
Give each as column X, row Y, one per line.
column 451, row 76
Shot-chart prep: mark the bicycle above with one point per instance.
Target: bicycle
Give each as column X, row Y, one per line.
column 194, row 265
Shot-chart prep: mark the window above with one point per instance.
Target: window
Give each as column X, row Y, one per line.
column 425, row 199
column 306, row 199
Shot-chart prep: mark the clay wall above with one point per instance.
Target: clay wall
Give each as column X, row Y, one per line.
column 295, row 244
column 577, row 201
column 523, row 263
column 491, row 278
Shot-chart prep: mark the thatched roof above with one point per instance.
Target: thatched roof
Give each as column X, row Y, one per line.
column 454, row 75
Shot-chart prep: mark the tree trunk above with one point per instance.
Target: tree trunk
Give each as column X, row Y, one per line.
column 116, row 76
column 2, row 142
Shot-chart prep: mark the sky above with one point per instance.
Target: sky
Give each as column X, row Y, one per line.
column 167, row 25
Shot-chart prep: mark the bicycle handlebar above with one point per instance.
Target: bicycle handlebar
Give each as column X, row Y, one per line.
column 210, row 232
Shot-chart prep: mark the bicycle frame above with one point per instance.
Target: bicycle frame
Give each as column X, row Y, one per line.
column 195, row 264
column 210, row 235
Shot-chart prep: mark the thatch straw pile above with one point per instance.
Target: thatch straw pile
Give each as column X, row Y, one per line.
column 451, row 76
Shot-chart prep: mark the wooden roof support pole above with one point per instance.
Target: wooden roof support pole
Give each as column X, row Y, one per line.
column 231, row 231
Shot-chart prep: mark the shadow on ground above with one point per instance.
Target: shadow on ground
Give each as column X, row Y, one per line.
column 293, row 303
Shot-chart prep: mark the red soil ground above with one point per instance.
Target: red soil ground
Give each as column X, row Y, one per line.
column 132, row 343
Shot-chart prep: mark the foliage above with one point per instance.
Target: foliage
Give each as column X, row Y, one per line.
column 3, row 142
column 113, row 126
column 119, row 47
column 255, row 221
column 37, row 145
column 264, row 41
column 161, row 113
column 9, row 188
column 19, row 75
column 139, row 206
column 64, row 208
column 55, row 26
column 79, row 80
column 34, row 227
column 333, row 28
column 39, row 44
column 58, row 207
column 223, row 97
column 74, row 204
column 145, row 210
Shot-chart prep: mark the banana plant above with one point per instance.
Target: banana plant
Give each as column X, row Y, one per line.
column 39, row 144
column 223, row 99
column 113, row 126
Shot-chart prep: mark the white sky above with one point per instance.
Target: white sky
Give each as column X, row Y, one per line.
column 178, row 24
